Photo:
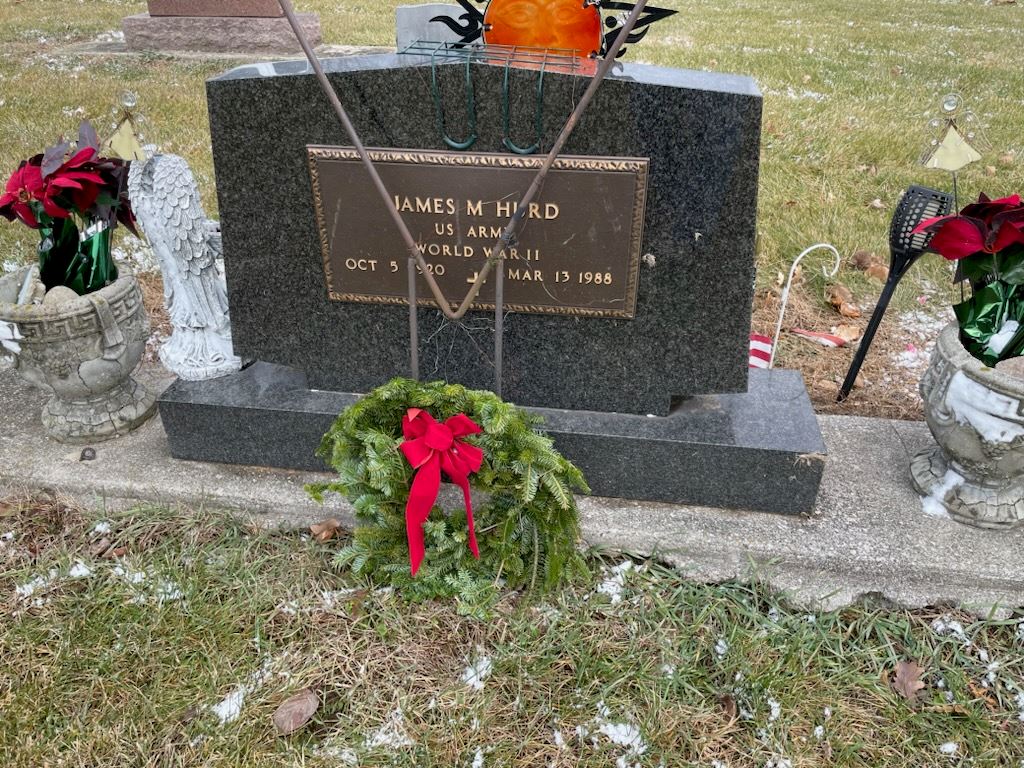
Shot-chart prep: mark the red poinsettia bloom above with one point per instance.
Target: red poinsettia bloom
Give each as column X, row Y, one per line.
column 25, row 186
column 988, row 226
column 78, row 178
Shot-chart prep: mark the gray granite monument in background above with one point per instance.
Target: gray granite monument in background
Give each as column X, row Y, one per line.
column 216, row 26
column 652, row 398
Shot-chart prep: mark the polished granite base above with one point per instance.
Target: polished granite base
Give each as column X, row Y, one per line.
column 761, row 450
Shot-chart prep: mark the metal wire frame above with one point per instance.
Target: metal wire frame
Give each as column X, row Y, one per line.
column 563, row 60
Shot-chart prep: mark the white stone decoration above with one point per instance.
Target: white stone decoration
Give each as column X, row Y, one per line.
column 166, row 202
column 10, row 336
column 81, row 352
column 976, row 472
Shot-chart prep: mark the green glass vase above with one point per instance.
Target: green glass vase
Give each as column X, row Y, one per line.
column 79, row 260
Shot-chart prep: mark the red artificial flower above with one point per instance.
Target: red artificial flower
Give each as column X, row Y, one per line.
column 24, row 187
column 79, row 177
column 988, row 226
column 986, row 209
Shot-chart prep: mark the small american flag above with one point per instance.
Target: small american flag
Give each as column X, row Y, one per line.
column 760, row 351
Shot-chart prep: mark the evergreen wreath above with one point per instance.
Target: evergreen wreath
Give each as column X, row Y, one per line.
column 527, row 527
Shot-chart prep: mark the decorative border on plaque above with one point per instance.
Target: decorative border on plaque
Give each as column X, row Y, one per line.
column 638, row 166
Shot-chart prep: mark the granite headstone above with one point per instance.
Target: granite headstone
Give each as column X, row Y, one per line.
column 656, row 407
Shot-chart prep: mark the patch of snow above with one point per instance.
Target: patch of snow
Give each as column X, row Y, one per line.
column 719, row 764
column 946, row 625
column 721, row 648
column 132, row 577
column 668, row 670
column 330, row 599
column 776, row 710
column 166, row 592
column 343, row 754
column 102, row 528
column 80, row 571
column 38, row 584
column 949, row 748
column 616, row 581
column 137, row 254
column 828, row 713
column 779, row 762
column 391, row 734
column 932, row 504
column 992, row 414
column 819, row 732
column 999, row 340
column 9, row 266
column 113, row 36
column 559, row 739
column 621, row 734
column 478, row 758
column 476, row 673
column 290, row 607
column 230, row 707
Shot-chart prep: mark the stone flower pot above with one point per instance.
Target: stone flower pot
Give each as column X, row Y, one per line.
column 82, row 352
column 976, row 472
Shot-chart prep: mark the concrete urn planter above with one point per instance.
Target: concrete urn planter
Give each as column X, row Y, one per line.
column 976, row 472
column 82, row 352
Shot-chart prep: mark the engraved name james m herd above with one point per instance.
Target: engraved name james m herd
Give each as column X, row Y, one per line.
column 578, row 251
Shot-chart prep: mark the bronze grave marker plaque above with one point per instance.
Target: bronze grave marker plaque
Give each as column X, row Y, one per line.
column 578, row 251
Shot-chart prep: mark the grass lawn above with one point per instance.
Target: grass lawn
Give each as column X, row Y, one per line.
column 849, row 89
column 178, row 652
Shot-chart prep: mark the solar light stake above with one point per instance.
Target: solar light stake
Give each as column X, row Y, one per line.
column 917, row 206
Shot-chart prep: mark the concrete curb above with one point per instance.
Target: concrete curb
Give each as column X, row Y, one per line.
column 867, row 538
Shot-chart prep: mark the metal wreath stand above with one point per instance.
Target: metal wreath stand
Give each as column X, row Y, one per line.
column 508, row 236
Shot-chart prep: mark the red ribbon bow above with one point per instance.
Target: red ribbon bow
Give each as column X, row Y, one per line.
column 431, row 447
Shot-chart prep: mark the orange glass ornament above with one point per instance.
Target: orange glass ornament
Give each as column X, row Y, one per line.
column 553, row 24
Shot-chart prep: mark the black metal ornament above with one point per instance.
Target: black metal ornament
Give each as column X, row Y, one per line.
column 917, row 205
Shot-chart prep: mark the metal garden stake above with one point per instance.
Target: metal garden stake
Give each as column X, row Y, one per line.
column 515, row 222
column 917, row 205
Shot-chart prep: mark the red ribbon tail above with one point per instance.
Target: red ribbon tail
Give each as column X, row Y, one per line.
column 422, row 495
column 464, row 483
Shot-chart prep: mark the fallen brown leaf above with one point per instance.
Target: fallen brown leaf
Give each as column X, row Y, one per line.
column 877, row 204
column 728, row 705
column 863, row 259
column 840, row 297
column 1008, row 158
column 99, row 549
column 848, row 333
column 837, row 294
column 907, row 681
column 879, row 272
column 984, row 694
column 849, row 310
column 295, row 712
column 326, row 530
column 990, row 170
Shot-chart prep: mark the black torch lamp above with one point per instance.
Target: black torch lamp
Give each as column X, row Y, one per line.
column 917, row 205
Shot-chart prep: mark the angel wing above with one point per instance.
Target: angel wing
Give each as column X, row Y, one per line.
column 166, row 202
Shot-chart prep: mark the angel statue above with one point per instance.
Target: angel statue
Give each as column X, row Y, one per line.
column 166, row 202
